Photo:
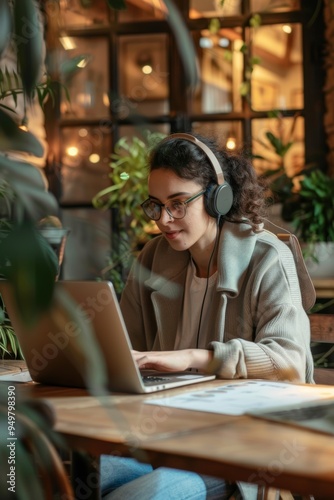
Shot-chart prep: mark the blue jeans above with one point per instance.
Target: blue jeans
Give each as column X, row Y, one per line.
column 127, row 479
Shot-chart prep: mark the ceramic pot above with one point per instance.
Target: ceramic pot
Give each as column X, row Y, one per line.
column 322, row 265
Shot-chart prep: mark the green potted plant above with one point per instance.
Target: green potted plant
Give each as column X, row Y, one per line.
column 274, row 143
column 279, row 175
column 313, row 220
column 127, row 191
column 277, row 142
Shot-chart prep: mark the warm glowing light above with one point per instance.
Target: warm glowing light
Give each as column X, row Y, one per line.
column 83, row 132
column 67, row 42
column 158, row 5
column 106, row 100
column 84, row 99
column 205, row 42
column 94, row 158
column 223, row 42
column 147, row 69
column 72, row 151
column 83, row 63
column 24, row 127
column 63, row 108
column 231, row 143
column 238, row 45
column 287, row 28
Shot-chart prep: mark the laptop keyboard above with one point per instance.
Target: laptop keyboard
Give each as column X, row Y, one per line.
column 152, row 379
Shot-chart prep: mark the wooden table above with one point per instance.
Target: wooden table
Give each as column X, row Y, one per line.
column 235, row 448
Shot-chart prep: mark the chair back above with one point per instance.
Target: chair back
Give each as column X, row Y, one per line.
column 308, row 294
column 322, row 331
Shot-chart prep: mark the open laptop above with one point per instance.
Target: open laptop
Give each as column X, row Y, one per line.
column 51, row 345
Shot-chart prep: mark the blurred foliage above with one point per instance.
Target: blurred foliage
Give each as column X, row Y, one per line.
column 282, row 186
column 29, row 263
column 313, row 217
column 129, row 170
column 11, row 86
column 34, row 456
column 128, row 189
column 32, row 272
column 13, row 138
column 279, row 183
column 246, row 49
column 23, row 197
column 9, row 344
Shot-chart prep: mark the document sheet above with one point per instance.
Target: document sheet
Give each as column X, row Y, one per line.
column 247, row 396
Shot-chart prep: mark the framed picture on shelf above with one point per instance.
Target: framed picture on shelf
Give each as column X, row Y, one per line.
column 264, row 95
column 143, row 63
column 297, row 98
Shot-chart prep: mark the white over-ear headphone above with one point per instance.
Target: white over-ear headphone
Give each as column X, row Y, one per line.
column 219, row 197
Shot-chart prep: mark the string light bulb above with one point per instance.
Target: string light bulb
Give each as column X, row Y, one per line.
column 231, row 143
column 72, row 151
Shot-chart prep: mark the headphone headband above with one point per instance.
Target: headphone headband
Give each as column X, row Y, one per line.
column 213, row 159
column 218, row 197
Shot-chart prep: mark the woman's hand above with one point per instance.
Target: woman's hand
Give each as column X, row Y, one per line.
column 173, row 361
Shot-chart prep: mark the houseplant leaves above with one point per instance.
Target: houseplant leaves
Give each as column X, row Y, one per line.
column 15, row 139
column 28, row 261
column 27, row 183
column 117, row 4
column 313, row 219
column 29, row 43
column 5, row 25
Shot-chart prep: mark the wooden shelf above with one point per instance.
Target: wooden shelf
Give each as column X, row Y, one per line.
column 14, row 371
column 324, row 288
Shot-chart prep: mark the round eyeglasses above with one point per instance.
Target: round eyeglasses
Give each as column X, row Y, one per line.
column 175, row 208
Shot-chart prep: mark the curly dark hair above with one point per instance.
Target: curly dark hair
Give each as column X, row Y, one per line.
column 188, row 161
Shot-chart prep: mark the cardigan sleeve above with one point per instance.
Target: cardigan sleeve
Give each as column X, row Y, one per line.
column 276, row 354
column 266, row 330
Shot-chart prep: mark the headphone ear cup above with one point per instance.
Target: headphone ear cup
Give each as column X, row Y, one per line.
column 218, row 199
column 223, row 199
column 208, row 197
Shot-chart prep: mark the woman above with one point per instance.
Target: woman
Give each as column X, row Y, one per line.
column 214, row 292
